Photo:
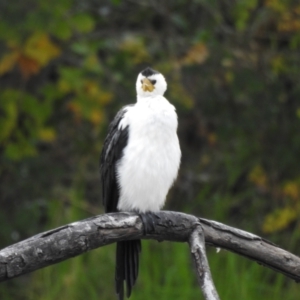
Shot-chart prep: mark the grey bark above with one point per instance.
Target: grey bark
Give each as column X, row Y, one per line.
column 197, row 246
column 59, row 244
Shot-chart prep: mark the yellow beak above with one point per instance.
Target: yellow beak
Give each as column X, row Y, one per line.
column 147, row 85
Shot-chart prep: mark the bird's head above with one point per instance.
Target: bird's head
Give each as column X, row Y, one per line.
column 150, row 83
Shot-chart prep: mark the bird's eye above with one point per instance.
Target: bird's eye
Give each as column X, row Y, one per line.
column 153, row 81
column 141, row 80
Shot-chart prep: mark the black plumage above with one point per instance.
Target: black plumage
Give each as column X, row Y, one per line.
column 112, row 151
column 149, row 72
column 127, row 254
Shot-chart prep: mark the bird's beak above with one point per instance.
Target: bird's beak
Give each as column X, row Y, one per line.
column 147, row 85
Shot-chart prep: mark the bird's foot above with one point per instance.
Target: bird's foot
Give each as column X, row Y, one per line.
column 149, row 221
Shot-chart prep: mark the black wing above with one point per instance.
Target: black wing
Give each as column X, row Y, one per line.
column 127, row 256
column 112, row 151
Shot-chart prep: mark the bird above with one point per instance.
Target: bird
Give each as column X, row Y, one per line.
column 139, row 163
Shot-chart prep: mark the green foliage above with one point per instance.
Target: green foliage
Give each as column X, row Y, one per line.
column 18, row 106
column 233, row 71
column 249, row 280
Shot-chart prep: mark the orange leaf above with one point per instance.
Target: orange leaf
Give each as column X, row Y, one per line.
column 28, row 66
column 212, row 139
column 96, row 117
column 196, row 54
column 76, row 109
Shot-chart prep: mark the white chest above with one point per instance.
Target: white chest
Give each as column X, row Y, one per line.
column 151, row 159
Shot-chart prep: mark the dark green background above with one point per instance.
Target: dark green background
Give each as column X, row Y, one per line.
column 232, row 68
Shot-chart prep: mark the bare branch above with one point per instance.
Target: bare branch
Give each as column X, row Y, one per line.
column 76, row 238
column 251, row 246
column 197, row 245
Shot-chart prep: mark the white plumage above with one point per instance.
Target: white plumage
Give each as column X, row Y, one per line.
column 151, row 158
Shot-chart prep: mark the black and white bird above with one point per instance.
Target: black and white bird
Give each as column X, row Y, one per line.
column 139, row 163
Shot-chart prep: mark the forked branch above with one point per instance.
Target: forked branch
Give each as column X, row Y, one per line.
column 59, row 244
column 197, row 246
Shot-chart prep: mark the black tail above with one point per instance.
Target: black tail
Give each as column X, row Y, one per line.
column 127, row 266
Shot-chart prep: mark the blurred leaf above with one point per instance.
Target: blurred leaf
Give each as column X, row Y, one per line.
column 61, row 29
column 40, row 48
column 83, row 22
column 23, row 108
column 8, row 118
column 81, row 48
column 33, row 107
column 47, row 134
column 180, row 95
column 92, row 63
column 19, row 149
column 28, row 66
column 71, row 78
column 197, row 54
column 292, row 190
column 242, row 12
column 258, row 176
column 8, row 61
column 212, row 138
column 135, row 48
column 37, row 51
column 289, row 22
column 75, row 108
column 7, row 31
column 89, row 103
column 278, row 64
column 277, row 5
column 229, row 76
column 280, row 219
column 96, row 117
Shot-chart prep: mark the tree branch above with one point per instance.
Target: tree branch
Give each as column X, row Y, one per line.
column 76, row 238
column 197, row 245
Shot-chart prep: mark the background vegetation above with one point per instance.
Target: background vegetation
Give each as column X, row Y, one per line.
column 233, row 69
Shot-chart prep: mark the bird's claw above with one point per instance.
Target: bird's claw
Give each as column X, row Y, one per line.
column 149, row 222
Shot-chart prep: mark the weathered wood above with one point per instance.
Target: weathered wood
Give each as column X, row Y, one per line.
column 252, row 246
column 76, row 238
column 197, row 246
